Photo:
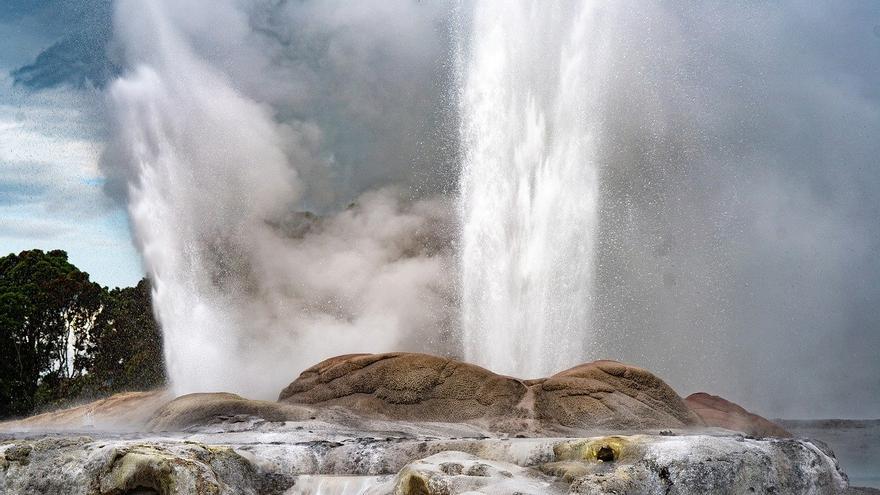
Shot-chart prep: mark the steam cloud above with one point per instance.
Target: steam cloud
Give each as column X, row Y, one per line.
column 247, row 291
column 738, row 231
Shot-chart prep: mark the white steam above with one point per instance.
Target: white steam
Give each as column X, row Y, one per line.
column 247, row 292
column 735, row 148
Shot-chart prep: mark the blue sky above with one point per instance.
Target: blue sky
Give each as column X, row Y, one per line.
column 51, row 139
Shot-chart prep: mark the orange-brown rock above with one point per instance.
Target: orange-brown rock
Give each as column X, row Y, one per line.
column 610, row 395
column 716, row 411
column 406, row 386
column 419, row 387
column 128, row 411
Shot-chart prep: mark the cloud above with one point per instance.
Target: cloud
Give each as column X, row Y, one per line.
column 30, row 228
column 76, row 60
column 50, row 188
column 47, row 159
column 78, row 57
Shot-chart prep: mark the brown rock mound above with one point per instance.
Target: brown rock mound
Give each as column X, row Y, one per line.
column 125, row 411
column 611, row 395
column 406, row 386
column 205, row 408
column 716, row 411
column 419, row 387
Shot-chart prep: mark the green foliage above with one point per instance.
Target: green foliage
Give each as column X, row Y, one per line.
column 63, row 337
column 128, row 343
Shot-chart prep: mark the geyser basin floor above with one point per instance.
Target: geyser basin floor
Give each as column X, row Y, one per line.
column 245, row 455
column 407, row 423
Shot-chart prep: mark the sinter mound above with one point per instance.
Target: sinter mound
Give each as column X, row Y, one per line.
column 598, row 396
column 716, row 411
column 419, row 387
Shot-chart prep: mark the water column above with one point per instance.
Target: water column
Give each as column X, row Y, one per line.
column 530, row 79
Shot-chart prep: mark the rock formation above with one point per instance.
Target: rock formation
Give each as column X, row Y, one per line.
column 417, row 387
column 406, row 386
column 716, row 411
column 648, row 465
column 610, row 395
column 205, row 408
column 414, row 424
column 118, row 412
column 214, row 461
column 597, row 396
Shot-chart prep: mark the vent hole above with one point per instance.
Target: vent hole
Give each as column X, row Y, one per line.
column 605, row 454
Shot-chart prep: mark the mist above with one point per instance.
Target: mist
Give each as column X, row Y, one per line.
column 248, row 291
column 739, row 196
column 737, row 152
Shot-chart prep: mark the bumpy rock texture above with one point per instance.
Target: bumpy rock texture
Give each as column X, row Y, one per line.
column 82, row 465
column 610, row 395
column 715, row 411
column 288, row 460
column 637, row 465
column 406, row 386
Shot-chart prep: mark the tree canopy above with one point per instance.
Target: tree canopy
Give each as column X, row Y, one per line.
column 65, row 338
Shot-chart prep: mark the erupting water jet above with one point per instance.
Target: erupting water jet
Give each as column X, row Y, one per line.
column 531, row 76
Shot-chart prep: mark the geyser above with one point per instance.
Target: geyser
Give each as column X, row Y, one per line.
column 248, row 291
column 530, row 82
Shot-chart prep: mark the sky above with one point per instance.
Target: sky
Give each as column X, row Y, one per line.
column 740, row 182
column 51, row 138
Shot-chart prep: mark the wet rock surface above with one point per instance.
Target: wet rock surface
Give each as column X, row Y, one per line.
column 314, row 456
column 63, row 465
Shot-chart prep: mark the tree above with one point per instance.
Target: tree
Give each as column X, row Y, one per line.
column 47, row 309
column 64, row 338
column 127, row 352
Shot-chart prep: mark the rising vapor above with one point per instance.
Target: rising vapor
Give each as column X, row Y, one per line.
column 735, row 150
column 247, row 292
